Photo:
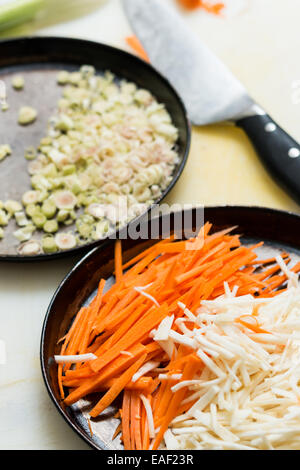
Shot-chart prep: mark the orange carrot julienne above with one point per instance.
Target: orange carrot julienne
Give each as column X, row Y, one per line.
column 126, row 420
column 135, row 302
column 112, row 370
column 115, row 390
column 142, row 385
column 130, row 320
column 209, row 7
column 188, row 372
column 90, row 427
column 117, row 431
column 136, row 420
column 269, row 260
column 251, row 323
column 157, row 247
column 145, row 427
column 60, row 381
column 118, row 260
column 132, row 434
column 118, row 326
column 135, row 334
column 92, row 315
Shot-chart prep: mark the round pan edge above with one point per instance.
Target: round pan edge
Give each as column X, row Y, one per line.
column 187, row 130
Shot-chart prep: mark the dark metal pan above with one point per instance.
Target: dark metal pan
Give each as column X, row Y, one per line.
column 39, row 59
column 279, row 230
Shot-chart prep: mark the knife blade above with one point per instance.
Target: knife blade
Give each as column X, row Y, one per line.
column 209, row 90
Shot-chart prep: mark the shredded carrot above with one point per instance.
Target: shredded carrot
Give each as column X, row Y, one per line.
column 251, row 323
column 117, row 387
column 190, row 4
column 141, row 385
column 145, row 427
column 118, row 260
column 117, row 431
column 90, row 427
column 112, row 370
column 135, row 44
column 136, row 420
column 193, row 4
column 145, row 325
column 215, row 8
column 126, row 420
column 189, row 371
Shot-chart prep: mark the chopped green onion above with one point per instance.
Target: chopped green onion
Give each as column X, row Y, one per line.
column 51, row 226
column 32, row 210
column 4, row 218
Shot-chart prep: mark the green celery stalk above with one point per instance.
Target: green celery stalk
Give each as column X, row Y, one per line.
column 17, row 12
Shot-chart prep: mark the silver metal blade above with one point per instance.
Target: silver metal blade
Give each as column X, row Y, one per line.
column 209, row 90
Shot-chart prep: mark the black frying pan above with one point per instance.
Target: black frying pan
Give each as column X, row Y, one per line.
column 39, row 59
column 279, row 230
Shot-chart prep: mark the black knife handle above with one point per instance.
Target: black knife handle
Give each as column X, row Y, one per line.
column 279, row 152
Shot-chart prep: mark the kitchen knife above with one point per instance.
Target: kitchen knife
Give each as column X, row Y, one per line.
column 209, row 90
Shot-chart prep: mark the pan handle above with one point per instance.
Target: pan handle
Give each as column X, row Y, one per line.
column 278, row 151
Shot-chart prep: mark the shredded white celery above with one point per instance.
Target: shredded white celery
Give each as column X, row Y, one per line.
column 247, row 393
